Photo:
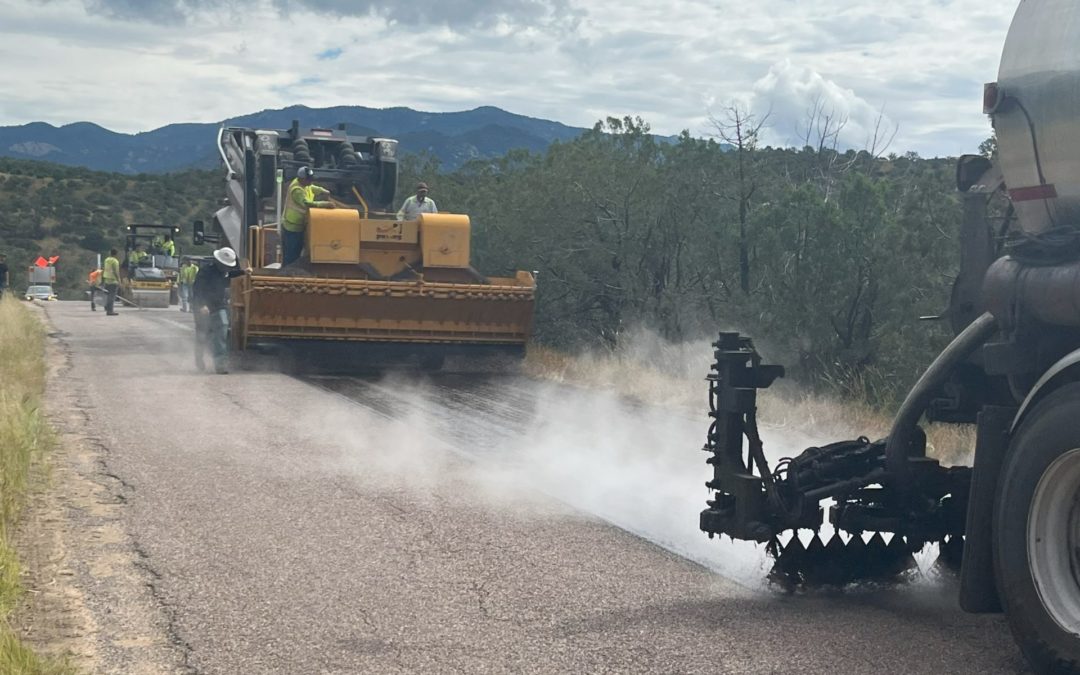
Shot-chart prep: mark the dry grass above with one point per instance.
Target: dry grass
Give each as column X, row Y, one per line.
column 24, row 437
column 674, row 376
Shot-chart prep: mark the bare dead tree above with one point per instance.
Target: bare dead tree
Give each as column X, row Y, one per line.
column 741, row 129
column 882, row 137
column 821, row 132
column 821, row 129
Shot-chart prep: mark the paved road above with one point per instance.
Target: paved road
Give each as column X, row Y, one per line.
column 289, row 525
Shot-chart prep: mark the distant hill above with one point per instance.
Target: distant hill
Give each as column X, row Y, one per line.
column 454, row 137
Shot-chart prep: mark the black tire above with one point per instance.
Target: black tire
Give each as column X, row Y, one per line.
column 1051, row 430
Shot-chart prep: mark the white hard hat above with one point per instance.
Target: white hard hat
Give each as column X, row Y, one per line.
column 226, row 256
column 305, row 173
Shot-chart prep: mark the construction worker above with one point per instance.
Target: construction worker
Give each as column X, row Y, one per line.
column 186, row 278
column 138, row 256
column 94, row 279
column 4, row 276
column 417, row 204
column 168, row 247
column 302, row 195
column 110, row 278
column 210, row 302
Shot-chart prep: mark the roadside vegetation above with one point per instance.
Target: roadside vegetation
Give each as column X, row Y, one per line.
column 48, row 209
column 24, row 437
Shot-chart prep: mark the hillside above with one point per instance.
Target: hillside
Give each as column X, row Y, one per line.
column 47, row 209
column 453, row 138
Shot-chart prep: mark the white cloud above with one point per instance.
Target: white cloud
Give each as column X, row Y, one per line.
column 803, row 107
column 134, row 66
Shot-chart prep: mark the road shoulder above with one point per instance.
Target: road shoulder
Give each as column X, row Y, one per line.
column 90, row 596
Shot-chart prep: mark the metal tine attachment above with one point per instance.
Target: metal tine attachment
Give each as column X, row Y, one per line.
column 839, row 562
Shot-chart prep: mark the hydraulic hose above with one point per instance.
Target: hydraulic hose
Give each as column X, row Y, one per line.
column 906, row 422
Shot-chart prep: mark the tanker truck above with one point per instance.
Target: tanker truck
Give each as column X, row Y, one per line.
column 1010, row 523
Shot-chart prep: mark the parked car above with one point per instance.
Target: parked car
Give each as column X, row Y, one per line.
column 40, row 292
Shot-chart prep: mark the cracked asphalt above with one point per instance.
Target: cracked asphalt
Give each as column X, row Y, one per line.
column 280, row 527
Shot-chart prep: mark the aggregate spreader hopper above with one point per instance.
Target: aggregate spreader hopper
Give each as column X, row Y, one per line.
column 1011, row 522
column 367, row 282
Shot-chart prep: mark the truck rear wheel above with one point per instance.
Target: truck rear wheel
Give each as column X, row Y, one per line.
column 1037, row 533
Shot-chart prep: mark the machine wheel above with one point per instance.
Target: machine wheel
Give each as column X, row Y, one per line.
column 1037, row 533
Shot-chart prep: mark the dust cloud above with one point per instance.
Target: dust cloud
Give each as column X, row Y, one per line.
column 618, row 436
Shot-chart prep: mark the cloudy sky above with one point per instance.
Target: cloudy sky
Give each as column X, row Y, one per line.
column 134, row 65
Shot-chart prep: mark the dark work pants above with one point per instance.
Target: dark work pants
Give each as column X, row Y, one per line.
column 292, row 245
column 110, row 296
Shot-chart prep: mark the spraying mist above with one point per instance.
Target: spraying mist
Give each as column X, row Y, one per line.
column 618, row 436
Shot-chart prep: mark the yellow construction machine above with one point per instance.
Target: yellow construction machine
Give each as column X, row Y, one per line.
column 367, row 281
column 149, row 280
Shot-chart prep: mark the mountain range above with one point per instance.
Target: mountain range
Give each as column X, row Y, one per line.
column 453, row 137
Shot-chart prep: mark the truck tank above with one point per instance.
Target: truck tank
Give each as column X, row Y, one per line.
column 1035, row 105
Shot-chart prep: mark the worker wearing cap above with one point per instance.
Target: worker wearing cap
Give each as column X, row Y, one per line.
column 302, row 195
column 110, row 278
column 210, row 302
column 417, row 204
column 186, row 279
column 94, row 279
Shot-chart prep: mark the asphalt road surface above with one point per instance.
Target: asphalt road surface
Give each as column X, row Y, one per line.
column 453, row 524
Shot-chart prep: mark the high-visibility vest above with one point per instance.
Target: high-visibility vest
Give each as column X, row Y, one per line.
column 188, row 274
column 169, row 247
column 296, row 205
column 110, row 273
column 95, row 277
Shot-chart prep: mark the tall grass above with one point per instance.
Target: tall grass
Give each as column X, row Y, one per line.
column 24, row 437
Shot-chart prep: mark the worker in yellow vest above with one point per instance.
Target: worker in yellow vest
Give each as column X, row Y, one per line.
column 188, row 271
column 136, row 257
column 110, row 278
column 302, row 195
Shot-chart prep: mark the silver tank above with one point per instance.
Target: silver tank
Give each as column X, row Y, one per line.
column 1037, row 116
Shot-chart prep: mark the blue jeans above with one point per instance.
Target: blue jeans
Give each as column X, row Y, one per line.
column 292, row 245
column 212, row 330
